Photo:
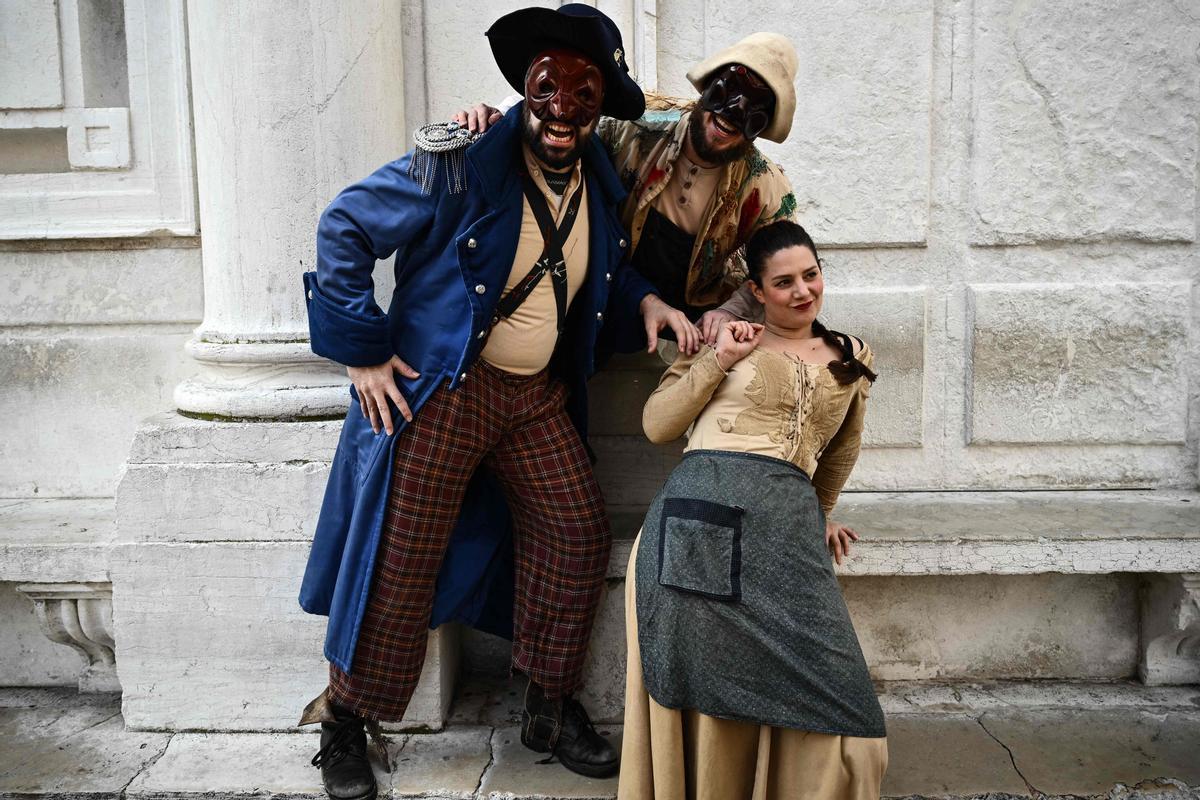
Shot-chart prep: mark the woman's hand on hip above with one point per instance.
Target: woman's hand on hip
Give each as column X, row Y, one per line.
column 735, row 340
column 839, row 537
column 375, row 386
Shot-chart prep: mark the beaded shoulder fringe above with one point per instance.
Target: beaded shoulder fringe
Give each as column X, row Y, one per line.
column 441, row 145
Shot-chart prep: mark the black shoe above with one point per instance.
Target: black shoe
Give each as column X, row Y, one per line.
column 563, row 729
column 345, row 770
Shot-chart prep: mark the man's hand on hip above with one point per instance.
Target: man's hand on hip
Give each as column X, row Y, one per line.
column 375, row 386
column 658, row 315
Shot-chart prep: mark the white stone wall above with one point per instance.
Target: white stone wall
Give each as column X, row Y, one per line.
column 99, row 259
column 98, row 252
column 1004, row 193
column 1006, row 201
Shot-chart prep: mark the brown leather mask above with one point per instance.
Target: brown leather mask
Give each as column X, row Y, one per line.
column 563, row 86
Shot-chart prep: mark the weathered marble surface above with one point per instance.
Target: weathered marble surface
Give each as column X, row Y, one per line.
column 859, row 153
column 1085, row 121
column 33, row 57
column 102, row 284
column 1079, row 364
column 210, row 637
column 73, row 398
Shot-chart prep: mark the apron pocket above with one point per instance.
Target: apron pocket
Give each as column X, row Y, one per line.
column 700, row 548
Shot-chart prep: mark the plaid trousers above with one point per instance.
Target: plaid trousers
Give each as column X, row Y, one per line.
column 516, row 426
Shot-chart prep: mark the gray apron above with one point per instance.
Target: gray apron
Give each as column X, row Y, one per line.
column 739, row 613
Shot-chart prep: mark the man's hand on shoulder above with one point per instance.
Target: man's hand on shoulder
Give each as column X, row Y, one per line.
column 658, row 315
column 478, row 118
column 375, row 386
column 711, row 323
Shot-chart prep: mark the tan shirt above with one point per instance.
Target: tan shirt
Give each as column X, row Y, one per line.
column 689, row 193
column 523, row 343
column 769, row 403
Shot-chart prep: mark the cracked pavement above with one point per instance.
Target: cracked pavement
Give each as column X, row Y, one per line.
column 1117, row 741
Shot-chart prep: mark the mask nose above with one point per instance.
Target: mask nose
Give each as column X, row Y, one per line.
column 563, row 107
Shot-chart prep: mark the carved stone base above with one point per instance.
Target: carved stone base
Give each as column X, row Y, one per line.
column 1170, row 630
column 79, row 615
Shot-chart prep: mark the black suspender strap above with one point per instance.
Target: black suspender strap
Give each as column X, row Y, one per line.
column 550, row 261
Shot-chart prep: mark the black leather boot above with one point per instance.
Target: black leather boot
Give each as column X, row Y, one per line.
column 345, row 770
column 562, row 728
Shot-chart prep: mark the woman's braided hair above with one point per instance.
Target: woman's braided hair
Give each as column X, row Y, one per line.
column 768, row 241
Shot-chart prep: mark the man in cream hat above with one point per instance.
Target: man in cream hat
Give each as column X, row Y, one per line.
column 698, row 187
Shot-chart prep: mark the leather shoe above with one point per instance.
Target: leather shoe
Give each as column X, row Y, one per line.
column 562, row 728
column 345, row 770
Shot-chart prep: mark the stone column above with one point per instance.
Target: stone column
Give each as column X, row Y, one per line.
column 216, row 510
column 292, row 101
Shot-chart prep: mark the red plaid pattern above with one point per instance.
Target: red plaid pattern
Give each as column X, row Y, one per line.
column 515, row 425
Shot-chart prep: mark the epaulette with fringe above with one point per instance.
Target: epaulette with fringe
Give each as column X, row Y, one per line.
column 441, row 143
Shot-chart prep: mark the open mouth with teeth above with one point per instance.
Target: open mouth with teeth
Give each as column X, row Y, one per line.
column 724, row 127
column 558, row 134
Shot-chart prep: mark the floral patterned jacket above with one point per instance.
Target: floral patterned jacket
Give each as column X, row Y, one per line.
column 752, row 192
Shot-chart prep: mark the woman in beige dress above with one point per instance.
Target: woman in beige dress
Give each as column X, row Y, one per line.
column 745, row 677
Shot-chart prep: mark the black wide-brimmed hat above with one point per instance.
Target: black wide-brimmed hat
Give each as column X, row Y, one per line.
column 517, row 37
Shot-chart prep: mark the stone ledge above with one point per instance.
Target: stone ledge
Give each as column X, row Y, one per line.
column 1004, row 533
column 172, row 438
column 56, row 540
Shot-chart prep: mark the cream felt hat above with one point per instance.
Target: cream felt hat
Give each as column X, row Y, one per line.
column 773, row 59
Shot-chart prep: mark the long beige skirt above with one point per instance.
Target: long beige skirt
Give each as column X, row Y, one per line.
column 686, row 755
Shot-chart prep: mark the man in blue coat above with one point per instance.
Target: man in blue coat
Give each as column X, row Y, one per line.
column 469, row 400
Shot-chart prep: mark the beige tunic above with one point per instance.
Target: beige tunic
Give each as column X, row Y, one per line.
column 691, row 190
column 523, row 343
column 768, row 403
column 773, row 404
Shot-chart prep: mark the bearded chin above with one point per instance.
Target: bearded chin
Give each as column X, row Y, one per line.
column 710, row 154
column 555, row 160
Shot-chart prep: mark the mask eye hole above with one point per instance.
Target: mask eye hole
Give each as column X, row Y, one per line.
column 756, row 123
column 716, row 94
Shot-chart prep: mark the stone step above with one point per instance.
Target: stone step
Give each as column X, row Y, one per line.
column 999, row 740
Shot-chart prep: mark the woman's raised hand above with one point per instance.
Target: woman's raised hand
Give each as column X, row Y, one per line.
column 839, row 537
column 735, row 340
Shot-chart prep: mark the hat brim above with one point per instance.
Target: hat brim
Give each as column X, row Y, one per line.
column 517, row 37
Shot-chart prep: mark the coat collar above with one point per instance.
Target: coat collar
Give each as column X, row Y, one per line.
column 495, row 155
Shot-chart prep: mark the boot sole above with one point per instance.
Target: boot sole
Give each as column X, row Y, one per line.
column 371, row 795
column 591, row 770
column 579, row 768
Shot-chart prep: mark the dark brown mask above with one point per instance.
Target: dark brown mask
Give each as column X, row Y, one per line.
column 563, row 86
column 741, row 97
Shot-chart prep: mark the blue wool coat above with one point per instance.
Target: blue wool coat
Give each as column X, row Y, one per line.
column 447, row 246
